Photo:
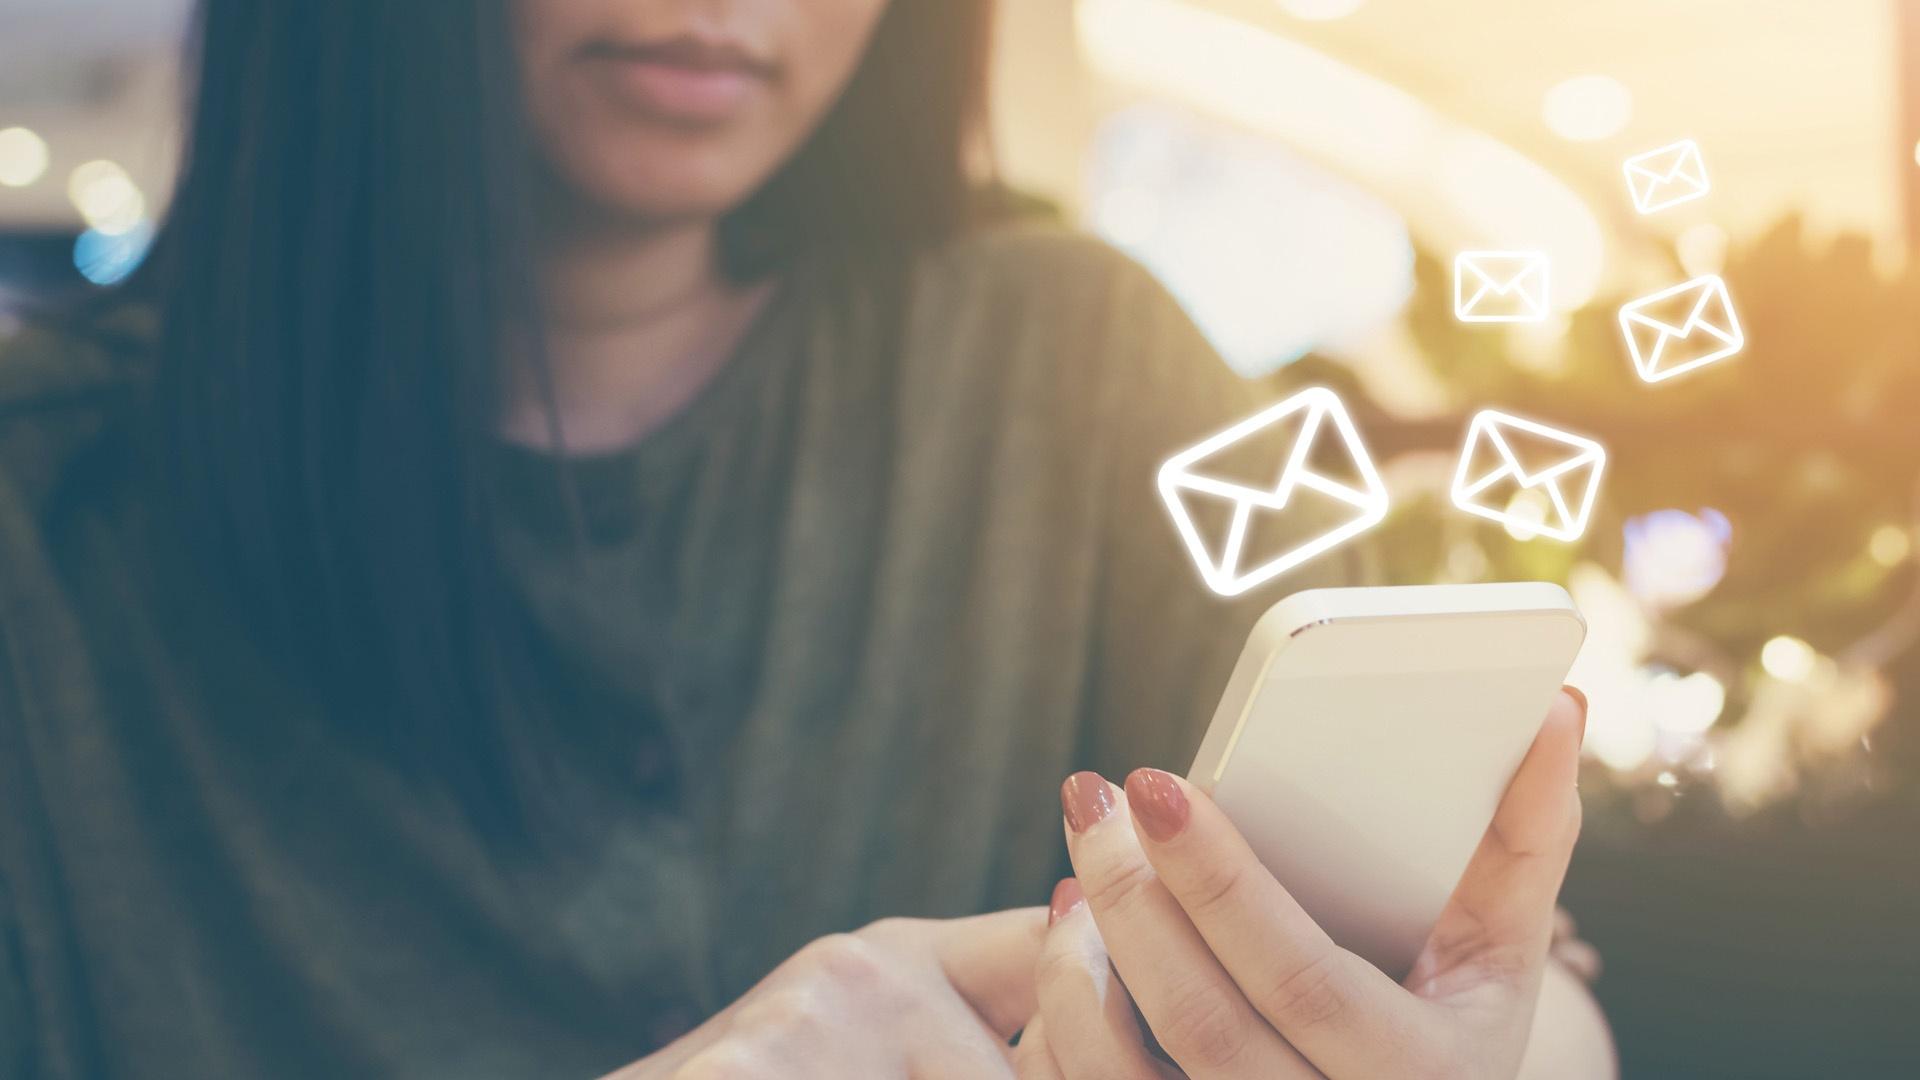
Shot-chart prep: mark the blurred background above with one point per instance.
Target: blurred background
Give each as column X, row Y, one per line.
column 1300, row 172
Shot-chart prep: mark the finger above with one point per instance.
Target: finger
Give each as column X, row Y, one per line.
column 724, row 1059
column 989, row 959
column 1033, row 1058
column 1090, row 1018
column 1344, row 1014
column 1563, row 925
column 1200, row 1017
column 945, row 1050
column 1579, row 958
column 947, row 1042
column 1533, row 816
column 1495, row 929
column 1575, row 1040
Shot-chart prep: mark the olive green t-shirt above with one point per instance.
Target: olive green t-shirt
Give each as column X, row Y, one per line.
column 874, row 594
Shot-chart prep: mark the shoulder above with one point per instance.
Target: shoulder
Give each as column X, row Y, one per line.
column 1038, row 264
column 63, row 391
column 1055, row 301
column 1031, row 249
column 1042, row 302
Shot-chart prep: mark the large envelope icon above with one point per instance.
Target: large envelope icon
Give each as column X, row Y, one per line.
column 1676, row 330
column 1667, row 177
column 1509, row 463
column 1216, row 508
column 1500, row 286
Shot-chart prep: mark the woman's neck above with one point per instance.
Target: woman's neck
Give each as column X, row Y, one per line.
column 638, row 321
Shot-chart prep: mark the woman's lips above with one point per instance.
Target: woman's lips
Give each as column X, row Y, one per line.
column 683, row 81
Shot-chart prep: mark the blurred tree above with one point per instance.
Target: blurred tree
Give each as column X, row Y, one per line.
column 1807, row 441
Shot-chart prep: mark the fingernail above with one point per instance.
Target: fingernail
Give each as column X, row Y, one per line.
column 1086, row 798
column 1158, row 803
column 1066, row 897
column 1579, row 696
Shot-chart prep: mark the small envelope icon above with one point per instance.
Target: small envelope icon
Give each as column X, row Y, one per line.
column 1666, row 177
column 1500, row 286
column 1676, row 330
column 1506, row 456
column 1266, row 478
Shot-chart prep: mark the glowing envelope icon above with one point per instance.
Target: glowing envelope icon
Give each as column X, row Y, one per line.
column 1682, row 328
column 1506, row 457
column 1265, row 479
column 1500, row 286
column 1667, row 177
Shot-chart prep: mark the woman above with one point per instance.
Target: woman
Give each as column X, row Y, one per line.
column 586, row 507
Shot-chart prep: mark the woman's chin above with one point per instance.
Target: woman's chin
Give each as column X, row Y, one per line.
column 677, row 201
column 662, row 183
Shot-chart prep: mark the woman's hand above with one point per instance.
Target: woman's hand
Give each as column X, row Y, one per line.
column 1086, row 1027
column 901, row 998
column 1236, row 980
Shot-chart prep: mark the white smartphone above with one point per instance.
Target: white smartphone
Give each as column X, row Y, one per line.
column 1367, row 736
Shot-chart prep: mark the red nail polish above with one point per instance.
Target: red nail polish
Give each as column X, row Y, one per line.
column 1158, row 804
column 1066, row 897
column 1086, row 798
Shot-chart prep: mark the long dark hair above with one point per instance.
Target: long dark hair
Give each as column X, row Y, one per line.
column 344, row 269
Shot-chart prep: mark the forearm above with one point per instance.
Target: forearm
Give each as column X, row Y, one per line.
column 1570, row 1038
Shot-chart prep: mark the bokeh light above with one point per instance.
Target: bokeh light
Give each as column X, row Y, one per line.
column 1788, row 658
column 1587, row 107
column 1526, row 511
column 107, row 197
column 1686, row 705
column 1702, row 248
column 107, row 258
column 1625, row 736
column 1888, row 545
column 1673, row 558
column 1541, row 346
column 23, row 157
